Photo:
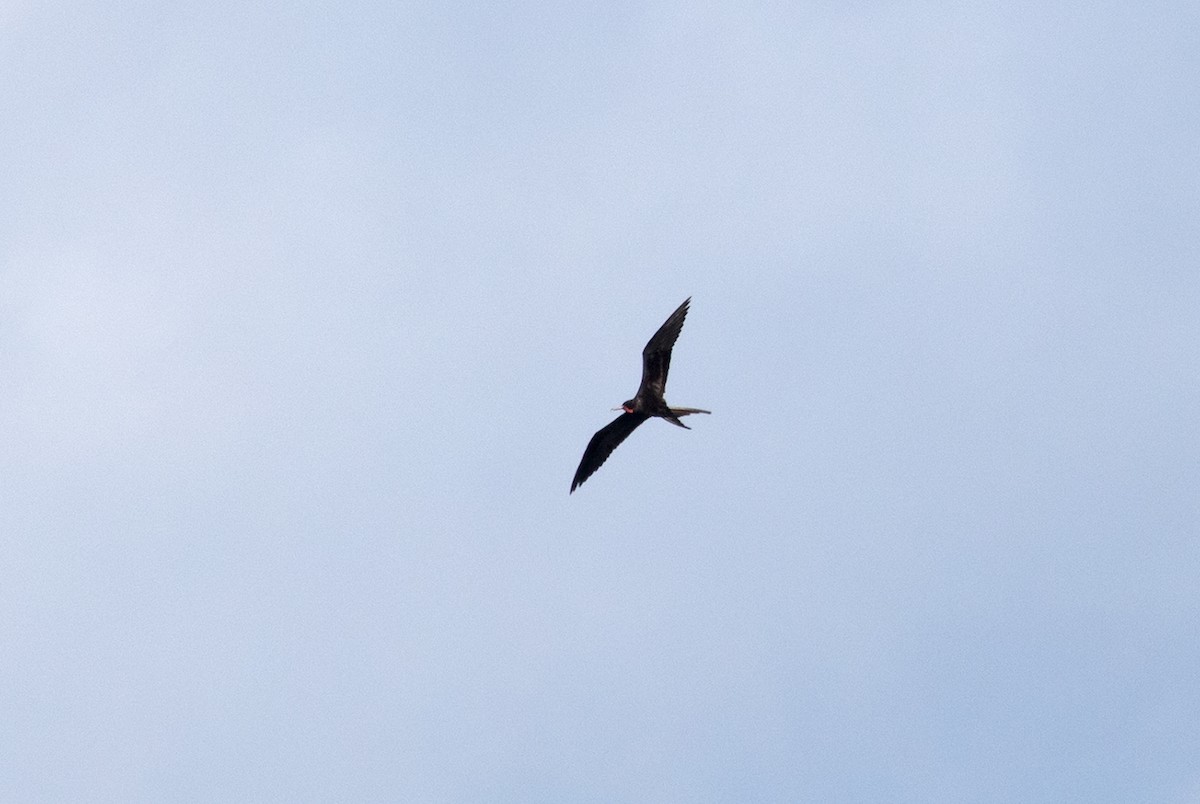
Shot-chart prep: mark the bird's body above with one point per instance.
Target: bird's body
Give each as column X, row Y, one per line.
column 647, row 402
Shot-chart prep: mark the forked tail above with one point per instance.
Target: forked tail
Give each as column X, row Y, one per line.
column 688, row 411
column 677, row 412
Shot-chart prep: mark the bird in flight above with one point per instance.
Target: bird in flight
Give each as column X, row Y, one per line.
column 656, row 360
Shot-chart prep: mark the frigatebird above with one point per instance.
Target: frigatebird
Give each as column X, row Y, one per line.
column 656, row 360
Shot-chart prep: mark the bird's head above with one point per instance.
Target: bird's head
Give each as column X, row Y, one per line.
column 626, row 406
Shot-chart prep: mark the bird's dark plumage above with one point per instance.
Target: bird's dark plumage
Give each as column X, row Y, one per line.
column 606, row 439
column 649, row 401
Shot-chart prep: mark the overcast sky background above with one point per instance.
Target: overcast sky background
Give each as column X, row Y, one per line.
column 307, row 311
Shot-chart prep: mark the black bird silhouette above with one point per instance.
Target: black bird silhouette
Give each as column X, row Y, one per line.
column 656, row 360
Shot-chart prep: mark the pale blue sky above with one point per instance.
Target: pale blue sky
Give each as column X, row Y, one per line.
column 307, row 312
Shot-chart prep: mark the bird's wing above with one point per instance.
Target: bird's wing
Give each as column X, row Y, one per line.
column 656, row 357
column 606, row 439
